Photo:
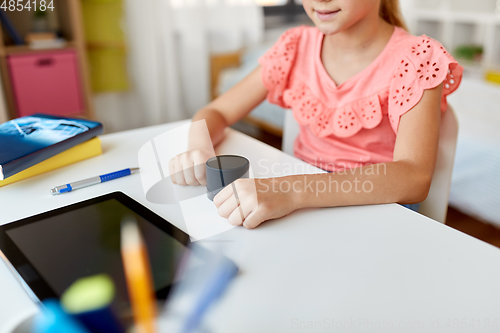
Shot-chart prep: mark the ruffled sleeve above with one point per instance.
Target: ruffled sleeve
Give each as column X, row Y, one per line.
column 424, row 65
column 277, row 63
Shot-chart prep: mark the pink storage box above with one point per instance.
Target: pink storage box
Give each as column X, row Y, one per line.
column 46, row 83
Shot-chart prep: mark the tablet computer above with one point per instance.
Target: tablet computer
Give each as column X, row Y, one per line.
column 52, row 250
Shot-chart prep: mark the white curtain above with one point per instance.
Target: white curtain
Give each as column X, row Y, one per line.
column 169, row 48
column 153, row 63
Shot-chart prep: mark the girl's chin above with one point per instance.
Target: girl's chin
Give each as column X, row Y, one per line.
column 328, row 29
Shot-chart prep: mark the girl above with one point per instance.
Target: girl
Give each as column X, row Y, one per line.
column 363, row 90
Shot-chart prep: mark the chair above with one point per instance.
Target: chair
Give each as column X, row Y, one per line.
column 435, row 205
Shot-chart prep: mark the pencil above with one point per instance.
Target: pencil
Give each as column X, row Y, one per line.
column 138, row 277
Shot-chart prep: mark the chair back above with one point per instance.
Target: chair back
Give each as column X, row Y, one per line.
column 291, row 130
column 435, row 205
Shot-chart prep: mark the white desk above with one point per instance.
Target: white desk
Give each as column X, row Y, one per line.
column 363, row 269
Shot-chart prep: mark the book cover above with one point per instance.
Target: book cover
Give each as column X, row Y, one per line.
column 72, row 155
column 27, row 141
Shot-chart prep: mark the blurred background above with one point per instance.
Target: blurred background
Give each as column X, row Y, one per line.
column 135, row 63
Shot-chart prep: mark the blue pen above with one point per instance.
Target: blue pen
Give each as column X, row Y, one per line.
column 223, row 272
column 92, row 181
column 203, row 278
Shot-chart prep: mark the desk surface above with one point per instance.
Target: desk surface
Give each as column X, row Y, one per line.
column 352, row 269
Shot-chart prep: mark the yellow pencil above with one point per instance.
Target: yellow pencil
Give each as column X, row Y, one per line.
column 138, row 277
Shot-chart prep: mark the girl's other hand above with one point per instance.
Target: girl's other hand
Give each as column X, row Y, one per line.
column 256, row 201
column 189, row 168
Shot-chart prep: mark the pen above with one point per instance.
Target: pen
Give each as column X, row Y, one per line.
column 92, row 181
column 138, row 277
column 203, row 276
column 216, row 283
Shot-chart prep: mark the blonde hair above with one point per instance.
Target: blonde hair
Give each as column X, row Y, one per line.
column 390, row 12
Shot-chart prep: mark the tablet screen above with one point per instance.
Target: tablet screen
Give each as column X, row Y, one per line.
column 85, row 241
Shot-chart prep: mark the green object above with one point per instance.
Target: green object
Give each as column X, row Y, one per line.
column 40, row 13
column 469, row 52
column 102, row 21
column 108, row 69
column 88, row 294
column 106, row 44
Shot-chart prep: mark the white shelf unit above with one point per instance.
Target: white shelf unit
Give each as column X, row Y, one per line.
column 460, row 22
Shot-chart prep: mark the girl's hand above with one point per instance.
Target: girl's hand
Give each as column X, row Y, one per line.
column 189, row 168
column 255, row 201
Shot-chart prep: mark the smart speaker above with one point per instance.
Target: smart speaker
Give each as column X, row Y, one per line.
column 223, row 170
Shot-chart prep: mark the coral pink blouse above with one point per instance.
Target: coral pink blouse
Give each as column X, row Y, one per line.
column 355, row 123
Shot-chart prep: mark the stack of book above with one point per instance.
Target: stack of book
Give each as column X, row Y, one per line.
column 44, row 40
column 39, row 143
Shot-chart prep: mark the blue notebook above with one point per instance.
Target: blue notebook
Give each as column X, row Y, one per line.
column 29, row 140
